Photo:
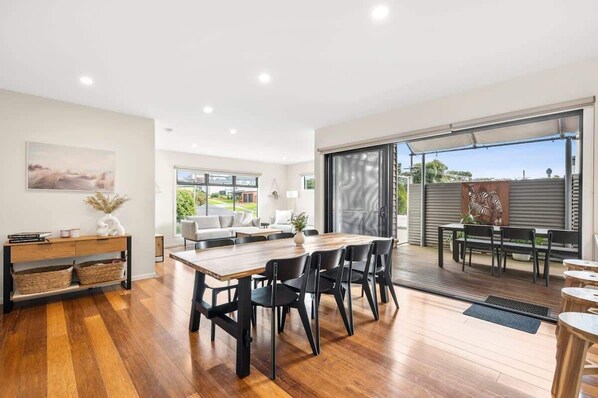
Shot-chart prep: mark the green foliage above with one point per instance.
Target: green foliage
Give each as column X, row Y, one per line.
column 184, row 204
column 401, row 198
column 436, row 171
column 200, row 198
column 299, row 222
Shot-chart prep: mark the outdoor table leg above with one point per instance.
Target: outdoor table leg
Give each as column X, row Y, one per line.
column 244, row 327
column 456, row 248
column 440, row 251
column 199, row 287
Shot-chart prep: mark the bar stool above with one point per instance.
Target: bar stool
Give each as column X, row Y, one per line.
column 578, row 332
column 580, row 278
column 574, row 264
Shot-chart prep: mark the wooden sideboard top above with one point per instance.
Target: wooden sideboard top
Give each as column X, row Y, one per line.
column 68, row 240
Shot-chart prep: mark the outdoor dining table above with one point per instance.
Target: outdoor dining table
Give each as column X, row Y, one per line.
column 241, row 262
column 456, row 227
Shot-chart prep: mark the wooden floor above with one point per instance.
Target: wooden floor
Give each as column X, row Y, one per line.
column 118, row 343
column 417, row 267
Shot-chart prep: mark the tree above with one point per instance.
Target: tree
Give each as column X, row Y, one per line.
column 185, row 206
column 200, row 198
column 436, row 171
column 401, row 198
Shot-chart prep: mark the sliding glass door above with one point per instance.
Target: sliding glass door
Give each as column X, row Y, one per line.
column 358, row 194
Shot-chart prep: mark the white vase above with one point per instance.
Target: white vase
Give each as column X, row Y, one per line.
column 299, row 238
column 109, row 225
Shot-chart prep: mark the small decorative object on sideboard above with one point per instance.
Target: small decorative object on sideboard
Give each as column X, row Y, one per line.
column 75, row 232
column 299, row 223
column 107, row 224
column 28, row 237
column 65, row 233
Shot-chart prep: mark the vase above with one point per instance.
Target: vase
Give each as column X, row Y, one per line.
column 299, row 238
column 109, row 225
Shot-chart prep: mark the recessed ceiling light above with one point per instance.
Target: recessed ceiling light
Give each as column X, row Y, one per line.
column 380, row 12
column 264, row 78
column 233, row 131
column 86, row 80
column 168, row 130
column 194, row 145
column 208, row 109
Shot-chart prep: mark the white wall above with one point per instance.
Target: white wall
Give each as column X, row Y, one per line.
column 165, row 200
column 306, row 201
column 28, row 118
column 570, row 82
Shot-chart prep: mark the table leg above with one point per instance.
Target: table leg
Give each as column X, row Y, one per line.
column 199, row 287
column 456, row 248
column 244, row 327
column 440, row 249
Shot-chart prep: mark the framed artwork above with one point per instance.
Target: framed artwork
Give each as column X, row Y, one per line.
column 486, row 201
column 66, row 168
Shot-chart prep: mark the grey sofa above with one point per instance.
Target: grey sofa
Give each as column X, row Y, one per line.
column 198, row 228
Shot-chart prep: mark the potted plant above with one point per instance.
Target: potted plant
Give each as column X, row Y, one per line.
column 299, row 223
column 107, row 224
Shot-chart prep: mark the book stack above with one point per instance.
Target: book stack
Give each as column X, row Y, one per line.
column 26, row 237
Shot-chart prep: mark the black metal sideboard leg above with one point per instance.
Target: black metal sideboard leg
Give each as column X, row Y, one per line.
column 7, row 280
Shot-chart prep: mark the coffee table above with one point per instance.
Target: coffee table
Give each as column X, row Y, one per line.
column 259, row 232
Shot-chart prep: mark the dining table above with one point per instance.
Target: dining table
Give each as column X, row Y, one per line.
column 458, row 227
column 240, row 262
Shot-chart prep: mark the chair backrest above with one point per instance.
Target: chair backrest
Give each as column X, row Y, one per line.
column 383, row 247
column 528, row 234
column 327, row 259
column 250, row 239
column 563, row 236
column 209, row 244
column 310, row 232
column 281, row 235
column 358, row 252
column 482, row 231
column 288, row 268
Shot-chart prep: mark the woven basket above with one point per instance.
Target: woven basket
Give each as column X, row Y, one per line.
column 43, row 279
column 100, row 271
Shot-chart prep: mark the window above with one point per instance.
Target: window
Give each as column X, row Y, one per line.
column 214, row 194
column 308, row 182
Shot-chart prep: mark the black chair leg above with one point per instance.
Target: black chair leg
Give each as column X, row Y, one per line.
column 338, row 296
column 306, row 325
column 463, row 267
column 283, row 320
column 254, row 315
column 213, row 325
column 470, row 251
column 391, row 288
column 279, row 324
column 368, row 293
column 273, row 343
column 185, row 243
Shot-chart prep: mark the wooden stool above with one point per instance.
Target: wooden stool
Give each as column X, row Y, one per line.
column 580, row 278
column 578, row 332
column 575, row 264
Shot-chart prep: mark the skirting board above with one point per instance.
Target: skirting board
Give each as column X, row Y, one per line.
column 134, row 278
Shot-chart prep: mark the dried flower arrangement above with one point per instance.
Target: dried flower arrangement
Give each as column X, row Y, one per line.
column 104, row 203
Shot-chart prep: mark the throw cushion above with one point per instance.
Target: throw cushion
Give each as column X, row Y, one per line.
column 226, row 221
column 206, row 222
column 256, row 222
column 283, row 216
column 240, row 220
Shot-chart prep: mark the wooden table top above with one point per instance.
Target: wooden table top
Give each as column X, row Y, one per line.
column 239, row 261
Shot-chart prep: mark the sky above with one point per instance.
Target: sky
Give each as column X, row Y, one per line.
column 501, row 162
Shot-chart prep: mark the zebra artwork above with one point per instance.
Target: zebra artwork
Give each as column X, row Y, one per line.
column 487, row 202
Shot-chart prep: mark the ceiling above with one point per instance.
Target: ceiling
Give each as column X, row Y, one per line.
column 329, row 61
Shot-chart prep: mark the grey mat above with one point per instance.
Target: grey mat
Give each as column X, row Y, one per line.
column 521, row 306
column 504, row 318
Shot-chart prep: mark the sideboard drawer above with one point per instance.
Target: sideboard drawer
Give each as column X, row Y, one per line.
column 41, row 251
column 105, row 245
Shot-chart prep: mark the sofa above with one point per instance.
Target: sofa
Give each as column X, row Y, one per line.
column 198, row 228
column 282, row 221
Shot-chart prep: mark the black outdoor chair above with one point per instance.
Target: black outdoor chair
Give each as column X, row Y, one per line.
column 480, row 238
column 322, row 261
column 281, row 235
column 310, row 232
column 209, row 244
column 508, row 244
column 277, row 296
column 567, row 247
column 250, row 239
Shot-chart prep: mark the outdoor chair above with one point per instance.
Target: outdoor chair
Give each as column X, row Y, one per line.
column 250, row 239
column 510, row 238
column 480, row 238
column 564, row 239
column 281, row 235
column 277, row 296
column 310, row 232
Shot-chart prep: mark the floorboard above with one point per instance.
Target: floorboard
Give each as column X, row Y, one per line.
column 136, row 343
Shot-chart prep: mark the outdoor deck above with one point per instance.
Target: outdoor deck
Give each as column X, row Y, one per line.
column 417, row 267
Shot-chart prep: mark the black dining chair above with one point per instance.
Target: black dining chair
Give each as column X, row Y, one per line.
column 322, row 261
column 511, row 242
column 310, row 232
column 277, row 296
column 381, row 268
column 281, row 235
column 567, row 246
column 250, row 239
column 210, row 244
column 480, row 238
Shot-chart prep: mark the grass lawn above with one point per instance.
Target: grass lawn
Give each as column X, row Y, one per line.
column 228, row 204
